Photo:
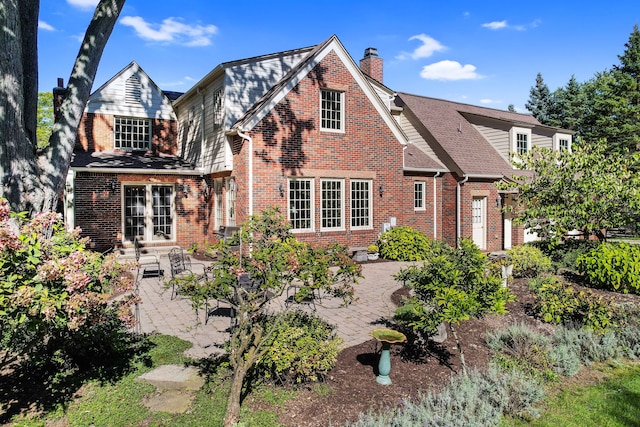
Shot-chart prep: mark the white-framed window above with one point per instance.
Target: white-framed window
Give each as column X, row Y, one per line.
column 231, row 201
column 218, row 108
column 522, row 143
column 300, row 211
column 562, row 142
column 149, row 212
column 218, row 210
column 419, row 195
column 332, row 110
column 132, row 133
column 520, row 140
column 331, row 204
column 361, row 207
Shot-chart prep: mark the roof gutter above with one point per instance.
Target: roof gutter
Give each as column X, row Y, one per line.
column 458, row 209
column 136, row 171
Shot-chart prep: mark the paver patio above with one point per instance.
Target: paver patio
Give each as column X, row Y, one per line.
column 158, row 313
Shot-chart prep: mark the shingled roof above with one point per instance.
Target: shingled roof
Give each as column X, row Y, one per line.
column 447, row 126
column 140, row 161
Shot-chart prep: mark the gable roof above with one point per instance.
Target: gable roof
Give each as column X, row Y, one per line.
column 278, row 91
column 459, row 142
column 111, row 97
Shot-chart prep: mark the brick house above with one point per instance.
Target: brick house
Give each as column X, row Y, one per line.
column 476, row 145
column 307, row 130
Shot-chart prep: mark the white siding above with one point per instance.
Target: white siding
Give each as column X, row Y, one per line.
column 110, row 99
column 497, row 134
column 246, row 83
column 414, row 136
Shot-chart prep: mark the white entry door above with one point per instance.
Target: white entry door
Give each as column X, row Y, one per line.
column 479, row 213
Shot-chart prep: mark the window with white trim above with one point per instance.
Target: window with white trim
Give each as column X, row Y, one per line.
column 231, row 202
column 522, row 143
column 300, row 211
column 218, row 108
column 218, row 212
column 418, row 195
column 520, row 140
column 562, row 142
column 331, row 204
column 149, row 212
column 132, row 133
column 361, row 204
column 331, row 110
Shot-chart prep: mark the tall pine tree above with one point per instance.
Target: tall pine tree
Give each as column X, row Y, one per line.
column 614, row 113
column 539, row 100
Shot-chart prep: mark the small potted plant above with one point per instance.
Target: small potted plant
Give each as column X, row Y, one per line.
column 372, row 252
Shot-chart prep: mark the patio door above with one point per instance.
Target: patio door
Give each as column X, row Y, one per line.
column 148, row 212
column 479, row 213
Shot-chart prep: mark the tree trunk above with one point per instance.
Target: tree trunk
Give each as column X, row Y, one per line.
column 460, row 351
column 232, row 415
column 32, row 181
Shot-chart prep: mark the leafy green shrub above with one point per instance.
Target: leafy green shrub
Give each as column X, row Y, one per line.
column 528, row 261
column 564, row 255
column 406, row 244
column 613, row 267
column 54, row 293
column 557, row 302
column 302, row 348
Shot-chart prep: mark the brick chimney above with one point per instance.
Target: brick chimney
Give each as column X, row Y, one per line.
column 371, row 64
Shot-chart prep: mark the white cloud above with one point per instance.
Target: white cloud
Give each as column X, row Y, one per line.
column 499, row 25
column 171, row 30
column 495, row 25
column 490, row 101
column 429, row 47
column 45, row 26
column 83, row 4
column 449, row 70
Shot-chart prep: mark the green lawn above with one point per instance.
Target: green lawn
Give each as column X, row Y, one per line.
column 612, row 402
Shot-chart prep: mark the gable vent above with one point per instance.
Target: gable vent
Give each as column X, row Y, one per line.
column 132, row 90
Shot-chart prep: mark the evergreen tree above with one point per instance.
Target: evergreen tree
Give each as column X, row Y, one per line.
column 613, row 115
column 539, row 100
column 567, row 106
column 511, row 108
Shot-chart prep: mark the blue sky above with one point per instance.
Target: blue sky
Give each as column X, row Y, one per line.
column 478, row 52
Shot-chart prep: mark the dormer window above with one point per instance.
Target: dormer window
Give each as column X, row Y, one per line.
column 331, row 110
column 562, row 142
column 522, row 143
column 520, row 140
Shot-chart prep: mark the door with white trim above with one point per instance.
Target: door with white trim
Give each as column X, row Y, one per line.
column 479, row 214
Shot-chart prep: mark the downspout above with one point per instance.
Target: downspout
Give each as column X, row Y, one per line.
column 435, row 209
column 458, row 209
column 250, row 189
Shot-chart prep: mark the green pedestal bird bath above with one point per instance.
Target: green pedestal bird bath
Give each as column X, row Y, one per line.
column 386, row 337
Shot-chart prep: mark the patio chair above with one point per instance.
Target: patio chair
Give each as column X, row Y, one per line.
column 182, row 266
column 146, row 261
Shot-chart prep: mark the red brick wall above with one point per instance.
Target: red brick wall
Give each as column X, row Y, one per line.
column 98, row 208
column 288, row 143
column 95, row 133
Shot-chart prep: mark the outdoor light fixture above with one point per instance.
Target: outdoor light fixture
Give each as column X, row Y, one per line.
column 281, row 189
column 185, row 189
column 380, row 190
column 498, row 202
column 232, row 184
column 113, row 184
